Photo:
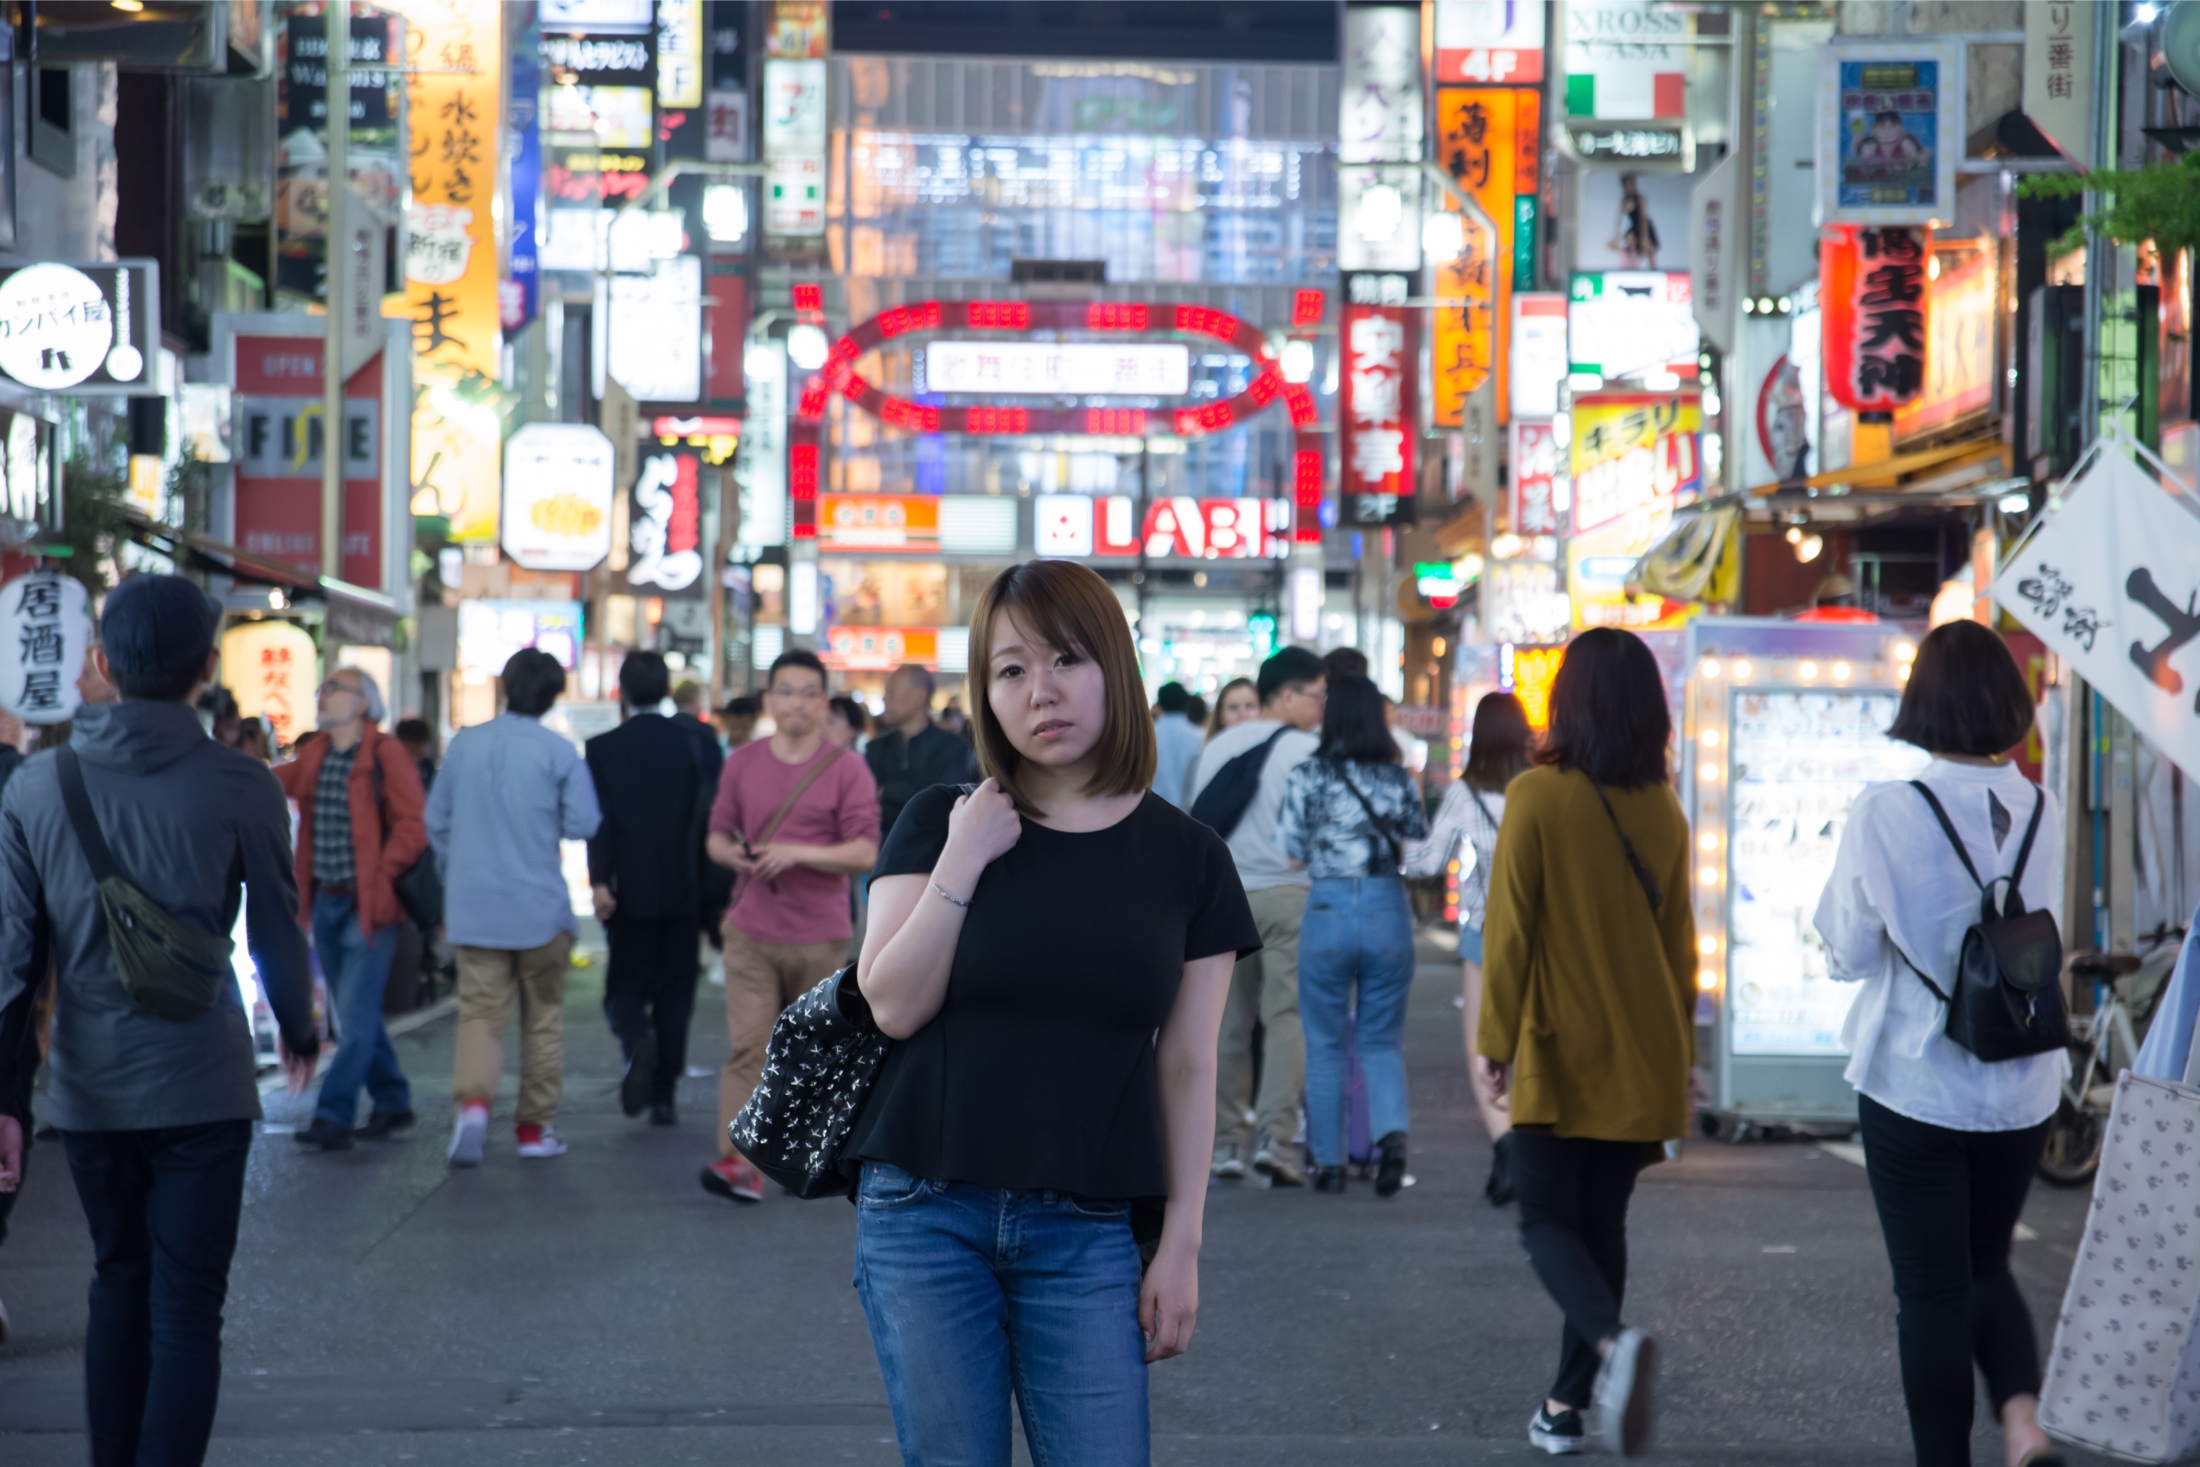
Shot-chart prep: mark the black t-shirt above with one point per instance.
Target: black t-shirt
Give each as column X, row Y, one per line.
column 1038, row 1071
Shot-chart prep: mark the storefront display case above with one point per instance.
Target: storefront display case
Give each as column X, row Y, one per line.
column 1784, row 723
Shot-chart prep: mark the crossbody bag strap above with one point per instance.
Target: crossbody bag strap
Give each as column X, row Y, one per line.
column 1634, row 862
column 1476, row 796
column 1373, row 819
column 79, row 805
column 786, row 806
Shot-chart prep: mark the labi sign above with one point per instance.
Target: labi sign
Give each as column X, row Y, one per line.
column 81, row 328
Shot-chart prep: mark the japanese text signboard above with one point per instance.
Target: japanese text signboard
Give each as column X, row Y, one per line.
column 83, row 329
column 1889, row 130
column 1487, row 142
column 1489, row 41
column 665, row 526
column 1540, row 489
column 1633, row 451
column 45, row 630
column 1379, row 422
column 1875, row 305
column 2110, row 583
column 2058, row 75
column 274, row 669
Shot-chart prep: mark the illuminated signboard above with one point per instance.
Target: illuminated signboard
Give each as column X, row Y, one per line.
column 1633, row 451
column 1080, row 525
column 879, row 649
column 1619, row 322
column 1063, row 369
column 878, row 522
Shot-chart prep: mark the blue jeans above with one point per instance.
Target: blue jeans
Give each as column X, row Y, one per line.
column 357, row 967
column 1357, row 933
column 975, row 1293
column 162, row 1207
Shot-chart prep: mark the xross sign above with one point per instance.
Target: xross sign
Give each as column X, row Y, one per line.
column 80, row 328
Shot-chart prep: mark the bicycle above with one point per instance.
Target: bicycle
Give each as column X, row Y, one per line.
column 2106, row 1042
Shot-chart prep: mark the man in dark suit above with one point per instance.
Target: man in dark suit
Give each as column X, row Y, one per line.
column 717, row 888
column 644, row 864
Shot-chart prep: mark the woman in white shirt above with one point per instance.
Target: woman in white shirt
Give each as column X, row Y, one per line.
column 1950, row 1140
column 1468, row 818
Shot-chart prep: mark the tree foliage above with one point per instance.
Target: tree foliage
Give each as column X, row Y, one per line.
column 2160, row 202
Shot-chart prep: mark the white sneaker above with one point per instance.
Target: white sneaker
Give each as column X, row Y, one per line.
column 468, row 1136
column 545, row 1142
column 1621, row 1416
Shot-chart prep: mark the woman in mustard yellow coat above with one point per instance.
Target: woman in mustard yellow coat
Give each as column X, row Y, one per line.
column 1588, row 1014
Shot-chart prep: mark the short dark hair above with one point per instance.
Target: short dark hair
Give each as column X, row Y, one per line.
column 414, row 731
column 532, row 681
column 797, row 657
column 1352, row 723
column 1965, row 694
column 852, row 712
column 1608, row 713
column 742, row 707
column 1171, row 697
column 157, row 632
column 1345, row 662
column 1501, row 744
column 643, row 678
column 1289, row 665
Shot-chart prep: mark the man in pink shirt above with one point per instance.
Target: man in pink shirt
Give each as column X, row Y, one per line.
column 795, row 817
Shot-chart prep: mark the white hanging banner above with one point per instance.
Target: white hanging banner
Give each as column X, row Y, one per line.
column 2111, row 583
column 45, row 630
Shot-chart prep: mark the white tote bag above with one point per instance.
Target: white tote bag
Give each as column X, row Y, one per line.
column 2124, row 1374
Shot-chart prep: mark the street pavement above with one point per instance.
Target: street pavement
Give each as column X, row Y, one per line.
column 601, row 1308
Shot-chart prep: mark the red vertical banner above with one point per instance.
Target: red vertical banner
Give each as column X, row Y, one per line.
column 1379, row 420
column 1873, row 290
column 279, row 434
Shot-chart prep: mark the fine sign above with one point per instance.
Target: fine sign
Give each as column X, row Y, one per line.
column 80, row 328
column 45, row 630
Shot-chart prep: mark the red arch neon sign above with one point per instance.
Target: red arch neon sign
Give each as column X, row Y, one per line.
column 924, row 318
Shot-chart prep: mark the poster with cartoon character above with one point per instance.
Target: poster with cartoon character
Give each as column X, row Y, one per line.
column 1889, row 131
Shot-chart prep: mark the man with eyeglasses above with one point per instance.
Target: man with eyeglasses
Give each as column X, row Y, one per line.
column 360, row 825
column 1292, row 686
column 796, row 816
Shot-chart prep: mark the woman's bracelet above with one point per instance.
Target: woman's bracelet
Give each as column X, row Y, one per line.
column 943, row 891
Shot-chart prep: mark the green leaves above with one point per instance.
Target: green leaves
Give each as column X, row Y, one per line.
column 2160, row 202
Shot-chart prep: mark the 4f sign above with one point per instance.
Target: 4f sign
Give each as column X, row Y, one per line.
column 1489, row 42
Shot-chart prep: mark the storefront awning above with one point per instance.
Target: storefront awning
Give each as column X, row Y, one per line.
column 354, row 615
column 1950, row 467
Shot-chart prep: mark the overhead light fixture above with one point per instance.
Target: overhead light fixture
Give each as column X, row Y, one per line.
column 1749, row 305
column 1297, row 361
column 761, row 362
column 2018, row 503
column 1443, row 236
column 1807, row 549
column 130, row 7
column 2142, row 13
column 807, row 347
column 726, row 213
column 1382, row 210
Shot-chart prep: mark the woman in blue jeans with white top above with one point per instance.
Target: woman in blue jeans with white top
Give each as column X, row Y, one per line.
column 1348, row 814
column 1051, row 953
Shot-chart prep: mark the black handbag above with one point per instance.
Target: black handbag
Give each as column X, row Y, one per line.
column 2007, row 1001
column 819, row 1066
column 419, row 887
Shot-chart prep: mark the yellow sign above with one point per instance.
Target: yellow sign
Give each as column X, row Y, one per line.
column 1532, row 671
column 455, row 110
column 1959, row 349
column 274, row 670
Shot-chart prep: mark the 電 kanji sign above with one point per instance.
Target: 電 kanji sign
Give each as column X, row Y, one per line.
column 2112, row 584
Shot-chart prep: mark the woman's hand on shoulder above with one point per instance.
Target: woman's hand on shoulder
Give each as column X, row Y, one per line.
column 984, row 824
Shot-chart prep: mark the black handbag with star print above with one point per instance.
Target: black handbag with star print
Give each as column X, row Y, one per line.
column 819, row 1066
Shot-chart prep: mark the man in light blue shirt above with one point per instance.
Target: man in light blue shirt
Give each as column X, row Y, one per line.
column 1177, row 742
column 508, row 792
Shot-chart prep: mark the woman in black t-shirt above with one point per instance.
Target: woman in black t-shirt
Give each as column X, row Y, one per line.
column 1052, row 952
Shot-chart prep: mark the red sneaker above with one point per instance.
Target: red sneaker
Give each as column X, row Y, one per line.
column 734, row 1179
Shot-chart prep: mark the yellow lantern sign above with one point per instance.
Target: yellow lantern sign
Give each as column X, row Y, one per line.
column 274, row 670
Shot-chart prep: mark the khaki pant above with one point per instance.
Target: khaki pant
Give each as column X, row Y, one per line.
column 488, row 977
column 761, row 979
column 1263, row 986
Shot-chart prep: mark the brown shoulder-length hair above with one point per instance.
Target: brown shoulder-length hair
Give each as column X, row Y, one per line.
column 1502, row 746
column 1070, row 608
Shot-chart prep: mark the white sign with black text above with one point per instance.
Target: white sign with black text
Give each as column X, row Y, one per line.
column 45, row 630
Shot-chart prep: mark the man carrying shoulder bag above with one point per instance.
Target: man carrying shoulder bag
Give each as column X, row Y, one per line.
column 126, row 854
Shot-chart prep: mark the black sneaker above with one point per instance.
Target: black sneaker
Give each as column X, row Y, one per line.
column 1562, row 1435
column 664, row 1113
column 385, row 1123
column 641, row 1073
column 1329, row 1179
column 1390, row 1172
column 1499, row 1188
column 324, row 1135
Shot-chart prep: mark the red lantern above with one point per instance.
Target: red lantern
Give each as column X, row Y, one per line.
column 1874, row 295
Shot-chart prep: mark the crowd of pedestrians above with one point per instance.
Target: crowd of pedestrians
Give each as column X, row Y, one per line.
column 1056, row 1073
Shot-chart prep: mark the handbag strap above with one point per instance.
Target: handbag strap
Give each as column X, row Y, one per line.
column 1476, row 796
column 1634, row 862
column 1375, row 821
column 786, row 806
column 79, row 805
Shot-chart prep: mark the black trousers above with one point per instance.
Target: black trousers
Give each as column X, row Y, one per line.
column 163, row 1209
column 649, row 984
column 1948, row 1204
column 1573, row 1221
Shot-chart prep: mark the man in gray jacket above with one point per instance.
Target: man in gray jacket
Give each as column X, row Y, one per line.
column 156, row 1114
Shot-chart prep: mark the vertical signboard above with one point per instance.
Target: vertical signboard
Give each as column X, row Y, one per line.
column 45, row 630
column 664, row 548
column 1484, row 135
column 1380, row 127
column 278, row 434
column 2058, row 75
column 1379, row 422
column 1874, row 311
column 795, row 41
column 1714, row 250
column 1539, row 491
column 522, row 290
column 454, row 52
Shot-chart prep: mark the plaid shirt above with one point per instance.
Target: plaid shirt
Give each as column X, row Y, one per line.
column 333, row 861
